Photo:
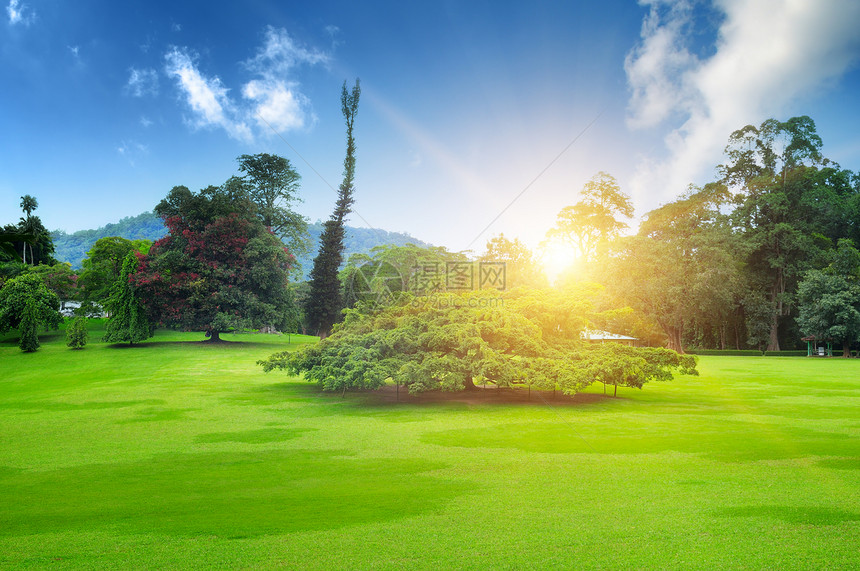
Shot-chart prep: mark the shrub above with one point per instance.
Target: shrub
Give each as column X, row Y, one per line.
column 77, row 334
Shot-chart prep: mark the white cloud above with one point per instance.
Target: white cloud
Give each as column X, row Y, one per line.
column 145, row 122
column 142, row 82
column 768, row 54
column 656, row 68
column 20, row 13
column 207, row 97
column 276, row 102
column 272, row 99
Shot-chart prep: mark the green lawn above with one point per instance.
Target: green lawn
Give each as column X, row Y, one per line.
column 174, row 454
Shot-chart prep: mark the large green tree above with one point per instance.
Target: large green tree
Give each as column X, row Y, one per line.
column 829, row 299
column 471, row 340
column 682, row 268
column 30, row 240
column 28, row 305
column 771, row 168
column 325, row 301
column 219, row 269
column 273, row 184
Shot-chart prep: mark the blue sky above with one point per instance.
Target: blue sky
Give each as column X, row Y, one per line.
column 466, row 108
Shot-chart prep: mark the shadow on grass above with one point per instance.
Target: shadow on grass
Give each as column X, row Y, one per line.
column 258, row 436
column 389, row 395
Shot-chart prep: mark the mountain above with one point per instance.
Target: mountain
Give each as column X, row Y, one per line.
column 73, row 248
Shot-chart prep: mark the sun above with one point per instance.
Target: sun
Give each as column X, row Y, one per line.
column 557, row 258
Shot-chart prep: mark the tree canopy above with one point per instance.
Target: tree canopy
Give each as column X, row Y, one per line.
column 28, row 305
column 219, row 269
column 472, row 340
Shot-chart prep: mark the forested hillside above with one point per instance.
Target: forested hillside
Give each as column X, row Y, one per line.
column 73, row 248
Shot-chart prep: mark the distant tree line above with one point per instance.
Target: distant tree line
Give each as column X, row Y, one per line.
column 763, row 256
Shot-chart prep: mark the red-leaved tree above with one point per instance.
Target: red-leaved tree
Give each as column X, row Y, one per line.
column 218, row 270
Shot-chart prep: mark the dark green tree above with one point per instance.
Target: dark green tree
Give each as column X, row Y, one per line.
column 77, row 334
column 273, row 184
column 325, row 302
column 28, row 238
column 128, row 321
column 27, row 304
column 29, row 327
column 829, row 299
column 772, row 168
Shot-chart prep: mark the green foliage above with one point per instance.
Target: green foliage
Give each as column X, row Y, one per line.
column 219, row 269
column 273, row 183
column 59, row 278
column 474, row 338
column 324, row 304
column 128, row 321
column 27, row 304
column 28, row 241
column 10, row 238
column 682, row 268
column 103, row 264
column 77, row 333
column 29, row 327
column 615, row 364
column 829, row 299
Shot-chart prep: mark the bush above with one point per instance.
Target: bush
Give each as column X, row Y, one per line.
column 77, row 334
column 29, row 328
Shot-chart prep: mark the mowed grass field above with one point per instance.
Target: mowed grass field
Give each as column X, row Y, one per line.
column 175, row 454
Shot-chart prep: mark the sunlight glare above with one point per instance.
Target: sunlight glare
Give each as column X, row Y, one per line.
column 557, row 257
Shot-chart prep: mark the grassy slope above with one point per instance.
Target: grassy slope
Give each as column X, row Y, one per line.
column 175, row 454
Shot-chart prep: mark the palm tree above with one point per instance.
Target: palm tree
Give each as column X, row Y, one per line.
column 28, row 205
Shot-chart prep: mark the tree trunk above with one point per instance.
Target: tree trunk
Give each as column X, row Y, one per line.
column 776, row 298
column 773, row 342
column 615, row 394
column 469, row 385
column 214, row 336
column 846, row 349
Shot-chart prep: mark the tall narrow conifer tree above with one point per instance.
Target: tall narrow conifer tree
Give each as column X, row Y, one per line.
column 325, row 301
